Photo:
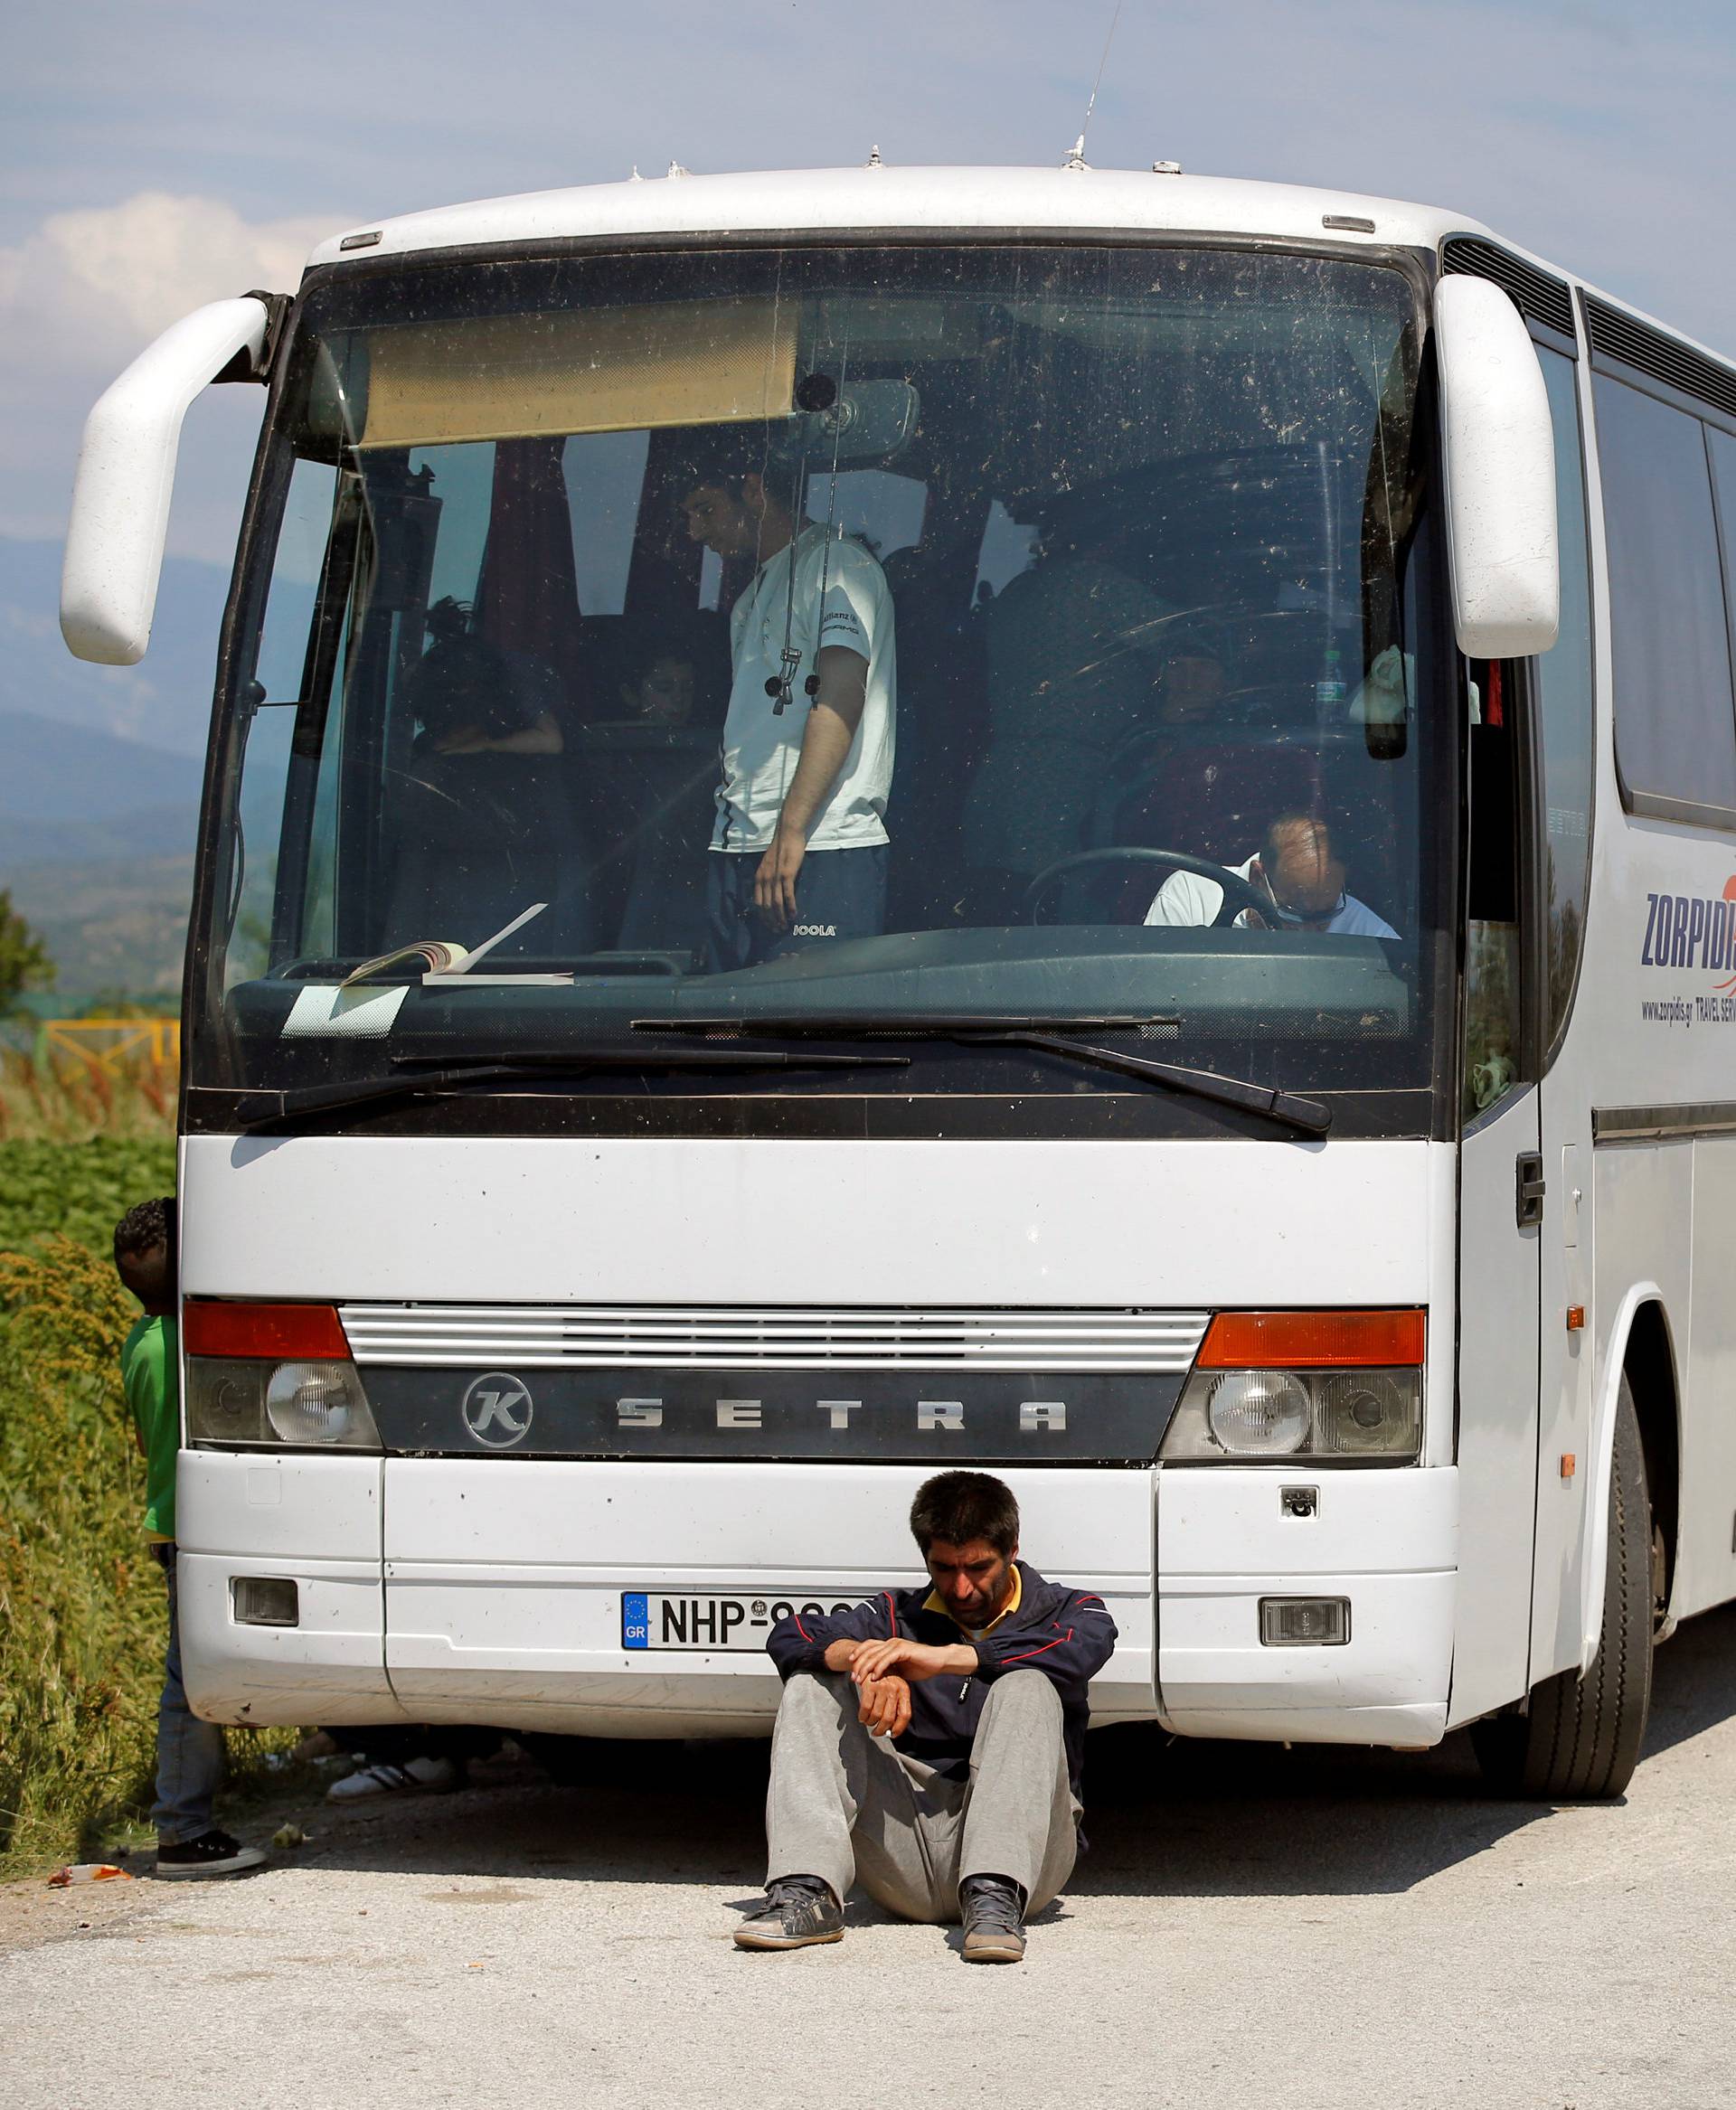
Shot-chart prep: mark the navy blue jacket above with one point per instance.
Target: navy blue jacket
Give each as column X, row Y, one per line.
column 1067, row 1634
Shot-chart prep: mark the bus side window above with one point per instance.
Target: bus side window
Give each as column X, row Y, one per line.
column 1493, row 1053
column 1723, row 475
column 1675, row 737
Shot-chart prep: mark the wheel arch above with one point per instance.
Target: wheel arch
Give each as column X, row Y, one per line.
column 1641, row 1347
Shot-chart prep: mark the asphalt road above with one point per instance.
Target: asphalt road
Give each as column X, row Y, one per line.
column 1252, row 1926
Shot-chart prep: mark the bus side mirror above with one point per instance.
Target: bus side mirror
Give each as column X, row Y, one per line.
column 1499, row 451
column 120, row 496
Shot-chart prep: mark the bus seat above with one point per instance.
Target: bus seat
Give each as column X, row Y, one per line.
column 942, row 711
column 477, row 838
column 1217, row 798
column 1363, row 797
column 1072, row 650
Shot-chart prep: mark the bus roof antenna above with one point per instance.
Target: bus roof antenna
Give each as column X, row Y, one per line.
column 1076, row 159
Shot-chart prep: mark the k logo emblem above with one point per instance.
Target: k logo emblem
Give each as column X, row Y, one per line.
column 497, row 1411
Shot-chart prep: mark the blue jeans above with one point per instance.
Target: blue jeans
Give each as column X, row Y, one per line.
column 839, row 893
column 189, row 1752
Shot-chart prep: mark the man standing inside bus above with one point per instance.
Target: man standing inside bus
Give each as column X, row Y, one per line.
column 930, row 1741
column 799, row 843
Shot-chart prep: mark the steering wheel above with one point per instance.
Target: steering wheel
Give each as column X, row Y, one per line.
column 1279, row 706
column 1237, row 893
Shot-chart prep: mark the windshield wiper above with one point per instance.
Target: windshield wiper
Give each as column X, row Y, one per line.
column 420, row 1074
column 1309, row 1116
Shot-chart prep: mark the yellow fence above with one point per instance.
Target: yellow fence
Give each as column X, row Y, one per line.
column 114, row 1044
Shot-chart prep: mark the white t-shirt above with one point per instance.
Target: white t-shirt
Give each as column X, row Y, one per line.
column 760, row 749
column 1190, row 897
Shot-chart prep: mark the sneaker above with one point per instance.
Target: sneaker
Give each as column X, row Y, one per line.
column 415, row 1776
column 994, row 1913
column 212, row 1853
column 798, row 1910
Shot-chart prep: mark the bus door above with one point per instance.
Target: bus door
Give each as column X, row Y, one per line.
column 1563, row 734
column 1500, row 1214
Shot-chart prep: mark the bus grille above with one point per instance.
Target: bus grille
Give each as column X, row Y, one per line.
column 772, row 1337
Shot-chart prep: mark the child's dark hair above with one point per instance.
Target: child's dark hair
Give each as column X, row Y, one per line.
column 693, row 636
column 961, row 1506
column 464, row 681
column 145, row 1243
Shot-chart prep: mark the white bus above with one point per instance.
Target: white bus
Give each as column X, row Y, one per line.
column 1333, row 1264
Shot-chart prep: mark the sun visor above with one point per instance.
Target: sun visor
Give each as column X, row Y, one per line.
column 611, row 369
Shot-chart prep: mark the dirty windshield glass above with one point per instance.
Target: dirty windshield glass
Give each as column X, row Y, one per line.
column 835, row 635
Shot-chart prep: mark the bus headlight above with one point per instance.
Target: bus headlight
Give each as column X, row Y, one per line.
column 1369, row 1413
column 1258, row 1413
column 283, row 1406
column 319, row 1403
column 225, row 1400
column 277, row 1376
column 1326, row 1385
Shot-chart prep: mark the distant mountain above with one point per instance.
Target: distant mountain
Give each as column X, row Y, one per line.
column 99, row 775
column 56, row 771
column 110, row 925
column 165, row 702
column 149, row 832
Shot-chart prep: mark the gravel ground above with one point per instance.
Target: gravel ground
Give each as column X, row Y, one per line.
column 1252, row 1926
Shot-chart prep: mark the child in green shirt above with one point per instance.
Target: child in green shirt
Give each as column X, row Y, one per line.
column 189, row 1752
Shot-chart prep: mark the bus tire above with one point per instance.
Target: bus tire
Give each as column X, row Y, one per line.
column 1579, row 1741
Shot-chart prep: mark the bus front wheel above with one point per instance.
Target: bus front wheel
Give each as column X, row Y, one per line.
column 1580, row 1740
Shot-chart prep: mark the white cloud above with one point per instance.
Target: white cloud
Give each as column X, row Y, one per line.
column 87, row 284
column 1572, row 125
column 81, row 296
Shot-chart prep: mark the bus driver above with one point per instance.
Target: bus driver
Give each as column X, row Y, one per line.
column 799, row 843
column 1297, row 871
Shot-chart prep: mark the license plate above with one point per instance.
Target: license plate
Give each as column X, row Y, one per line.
column 652, row 1619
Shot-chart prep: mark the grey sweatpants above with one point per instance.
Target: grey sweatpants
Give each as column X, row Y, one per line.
column 845, row 1806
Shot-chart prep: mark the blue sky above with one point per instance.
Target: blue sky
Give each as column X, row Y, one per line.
column 155, row 157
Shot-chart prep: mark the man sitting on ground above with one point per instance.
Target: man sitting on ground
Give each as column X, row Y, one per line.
column 930, row 1741
column 1298, row 874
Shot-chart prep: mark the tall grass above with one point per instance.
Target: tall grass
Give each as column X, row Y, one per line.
column 83, row 1606
column 77, row 1148
column 82, row 1623
column 71, row 1098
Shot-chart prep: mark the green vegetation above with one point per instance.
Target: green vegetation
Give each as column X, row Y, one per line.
column 77, row 1189
column 82, row 1625
column 120, row 923
column 77, row 1146
column 24, row 963
column 81, row 1606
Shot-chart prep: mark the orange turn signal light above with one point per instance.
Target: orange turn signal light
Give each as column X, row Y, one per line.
column 216, row 1327
column 1312, row 1340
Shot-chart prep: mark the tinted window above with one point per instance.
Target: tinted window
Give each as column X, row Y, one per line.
column 1565, row 692
column 1675, row 737
column 1137, row 550
column 1723, row 472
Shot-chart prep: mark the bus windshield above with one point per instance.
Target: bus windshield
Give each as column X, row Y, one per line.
column 833, row 634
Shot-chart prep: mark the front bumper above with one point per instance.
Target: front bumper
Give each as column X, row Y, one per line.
column 1386, row 1539
column 448, row 1590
